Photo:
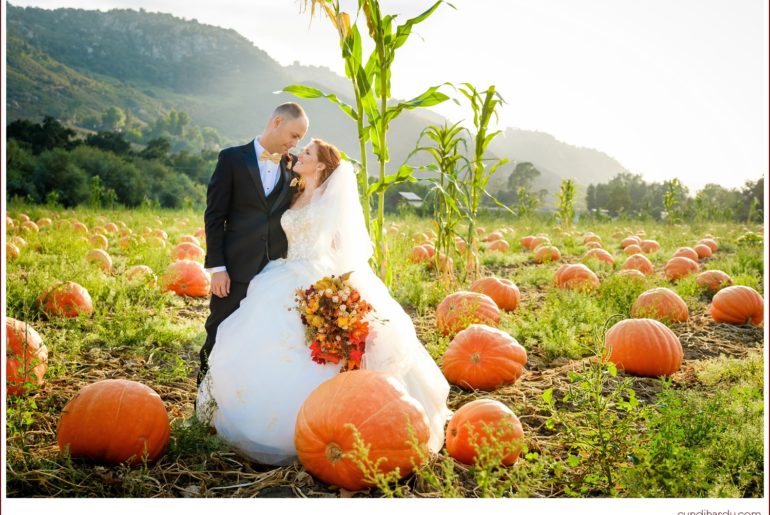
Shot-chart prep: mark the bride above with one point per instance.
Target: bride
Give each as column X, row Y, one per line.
column 260, row 368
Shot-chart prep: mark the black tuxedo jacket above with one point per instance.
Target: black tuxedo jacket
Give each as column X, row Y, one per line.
column 242, row 225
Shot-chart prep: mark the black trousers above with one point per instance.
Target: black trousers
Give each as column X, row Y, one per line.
column 220, row 308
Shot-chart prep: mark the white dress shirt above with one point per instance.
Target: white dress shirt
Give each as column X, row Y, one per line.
column 269, row 172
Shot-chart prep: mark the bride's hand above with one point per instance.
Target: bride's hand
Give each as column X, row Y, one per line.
column 220, row 284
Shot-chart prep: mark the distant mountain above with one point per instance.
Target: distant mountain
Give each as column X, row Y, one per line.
column 74, row 64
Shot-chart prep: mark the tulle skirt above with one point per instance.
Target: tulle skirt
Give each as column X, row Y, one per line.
column 260, row 371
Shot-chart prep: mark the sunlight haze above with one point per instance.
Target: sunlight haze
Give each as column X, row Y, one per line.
column 668, row 88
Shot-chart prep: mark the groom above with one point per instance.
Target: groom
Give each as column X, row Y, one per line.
column 247, row 194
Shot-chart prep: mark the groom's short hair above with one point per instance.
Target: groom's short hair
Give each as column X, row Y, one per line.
column 290, row 110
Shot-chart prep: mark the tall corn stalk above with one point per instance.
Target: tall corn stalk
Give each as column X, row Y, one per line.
column 566, row 202
column 484, row 105
column 371, row 86
column 447, row 191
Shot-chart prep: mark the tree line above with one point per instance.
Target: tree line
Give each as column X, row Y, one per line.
column 50, row 163
column 628, row 195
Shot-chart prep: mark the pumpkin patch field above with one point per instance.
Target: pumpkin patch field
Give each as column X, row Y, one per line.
column 608, row 359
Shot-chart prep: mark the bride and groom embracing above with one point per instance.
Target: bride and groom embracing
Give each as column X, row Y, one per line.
column 276, row 223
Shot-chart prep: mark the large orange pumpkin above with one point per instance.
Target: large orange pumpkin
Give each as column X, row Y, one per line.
column 576, row 277
column 738, row 305
column 639, row 262
column 187, row 278
column 483, row 358
column 713, row 280
column 680, row 266
column 490, row 421
column 661, row 304
column 460, row 309
column 505, row 294
column 644, row 347
column 26, row 359
column 380, row 409
column 66, row 299
column 114, row 421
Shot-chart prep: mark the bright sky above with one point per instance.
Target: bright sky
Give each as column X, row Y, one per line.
column 670, row 88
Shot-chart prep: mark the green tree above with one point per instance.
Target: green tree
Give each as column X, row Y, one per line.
column 113, row 119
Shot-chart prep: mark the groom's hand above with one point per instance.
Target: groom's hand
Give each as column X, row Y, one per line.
column 220, row 284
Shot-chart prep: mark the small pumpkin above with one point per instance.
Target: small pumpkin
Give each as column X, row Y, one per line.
column 499, row 246
column 661, row 304
column 643, row 347
column 460, row 309
column 419, row 254
column 504, row 292
column 26, row 358
column 703, row 250
column 630, row 240
column 687, row 252
column 526, row 242
column 490, row 422
column 380, row 409
column 114, row 421
column 632, row 249
column 494, row 236
column 189, row 238
column 141, row 274
column 482, row 358
column 99, row 241
column 187, row 250
column 11, row 251
column 592, row 238
column 632, row 274
column 600, row 255
column 101, row 259
column 186, row 278
column 738, row 305
column 680, row 266
column 713, row 280
column 649, row 246
column 67, row 299
column 639, row 262
column 576, row 277
column 711, row 243
column 547, row 253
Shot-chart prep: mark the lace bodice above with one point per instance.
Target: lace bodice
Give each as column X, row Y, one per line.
column 298, row 226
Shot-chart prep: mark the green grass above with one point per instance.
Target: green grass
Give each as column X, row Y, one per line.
column 699, row 434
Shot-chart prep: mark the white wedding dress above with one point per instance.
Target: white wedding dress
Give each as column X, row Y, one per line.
column 260, row 368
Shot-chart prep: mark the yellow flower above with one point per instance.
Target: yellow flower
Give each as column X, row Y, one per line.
column 343, row 322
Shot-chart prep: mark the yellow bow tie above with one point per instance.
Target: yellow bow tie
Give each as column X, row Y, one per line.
column 267, row 156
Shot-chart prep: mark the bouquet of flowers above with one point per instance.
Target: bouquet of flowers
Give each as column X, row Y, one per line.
column 334, row 314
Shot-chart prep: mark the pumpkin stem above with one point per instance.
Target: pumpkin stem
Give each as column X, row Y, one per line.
column 333, row 452
column 475, row 357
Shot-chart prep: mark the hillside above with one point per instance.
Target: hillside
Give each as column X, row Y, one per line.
column 74, row 64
